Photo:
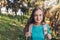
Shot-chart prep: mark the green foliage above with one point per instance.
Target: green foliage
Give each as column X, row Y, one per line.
column 9, row 30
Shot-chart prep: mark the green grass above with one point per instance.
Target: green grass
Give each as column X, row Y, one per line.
column 10, row 27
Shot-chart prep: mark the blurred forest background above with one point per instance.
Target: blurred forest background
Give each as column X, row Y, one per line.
column 14, row 15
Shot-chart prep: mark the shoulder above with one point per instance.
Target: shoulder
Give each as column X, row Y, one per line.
column 30, row 28
column 46, row 25
column 30, row 25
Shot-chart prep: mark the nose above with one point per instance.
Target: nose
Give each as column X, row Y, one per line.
column 37, row 17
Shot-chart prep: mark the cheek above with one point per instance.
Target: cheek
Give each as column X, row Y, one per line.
column 35, row 18
column 41, row 18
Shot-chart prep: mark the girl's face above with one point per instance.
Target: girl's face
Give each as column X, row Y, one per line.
column 38, row 16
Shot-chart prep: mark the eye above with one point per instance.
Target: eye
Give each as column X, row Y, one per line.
column 40, row 15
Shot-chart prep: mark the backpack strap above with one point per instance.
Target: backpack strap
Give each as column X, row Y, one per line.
column 45, row 32
column 45, row 29
column 30, row 28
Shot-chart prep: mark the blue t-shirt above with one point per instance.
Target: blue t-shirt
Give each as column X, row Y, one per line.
column 38, row 32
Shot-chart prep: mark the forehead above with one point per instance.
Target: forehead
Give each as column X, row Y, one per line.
column 38, row 12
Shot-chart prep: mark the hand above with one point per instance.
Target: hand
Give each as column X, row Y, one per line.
column 28, row 34
column 49, row 36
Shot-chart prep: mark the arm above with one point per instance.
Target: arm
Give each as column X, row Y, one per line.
column 28, row 34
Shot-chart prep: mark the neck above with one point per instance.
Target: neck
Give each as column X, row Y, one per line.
column 37, row 23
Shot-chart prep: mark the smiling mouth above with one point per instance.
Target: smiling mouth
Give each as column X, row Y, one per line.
column 38, row 20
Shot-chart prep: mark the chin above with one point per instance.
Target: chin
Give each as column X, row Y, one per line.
column 38, row 22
